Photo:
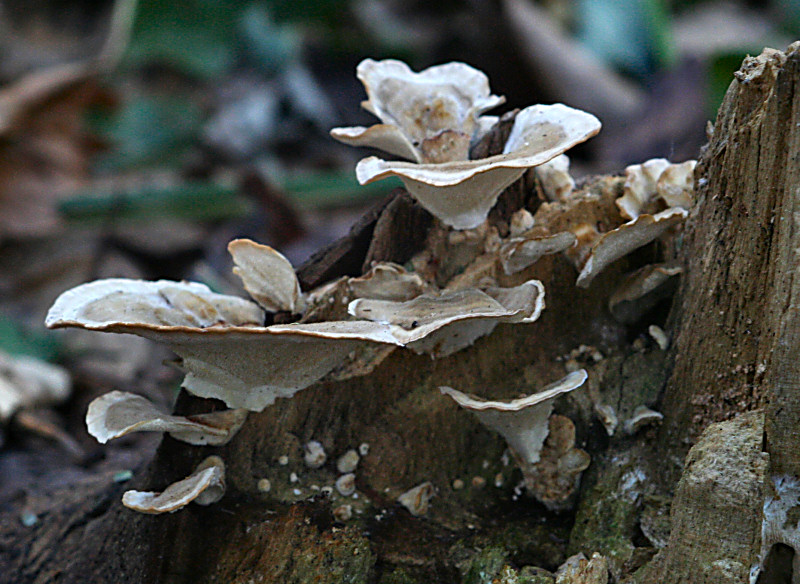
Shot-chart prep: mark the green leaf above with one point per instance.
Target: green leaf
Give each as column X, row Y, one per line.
column 633, row 35
column 337, row 188
column 145, row 130
column 198, row 201
column 17, row 341
column 194, row 36
column 720, row 75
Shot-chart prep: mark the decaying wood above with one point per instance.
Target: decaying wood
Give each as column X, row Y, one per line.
column 716, row 513
column 736, row 327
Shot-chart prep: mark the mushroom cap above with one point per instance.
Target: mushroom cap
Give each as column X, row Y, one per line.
column 640, row 186
column 523, row 422
column 118, row 413
column 624, row 239
column 206, row 485
column 519, row 253
column 224, row 354
column 461, row 193
column 417, row 500
column 676, row 184
column 441, row 324
column 557, row 183
column 656, row 179
column 384, row 137
column 118, row 304
column 267, row 276
column 431, row 116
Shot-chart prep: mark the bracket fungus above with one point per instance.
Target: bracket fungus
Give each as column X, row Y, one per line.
column 656, row 179
column 557, row 183
column 521, row 252
column 432, row 117
column 523, row 422
column 629, row 236
column 206, row 485
column 118, row 413
column 388, row 281
column 641, row 290
column 267, row 276
column 445, row 323
column 224, row 349
column 461, row 193
column 417, row 500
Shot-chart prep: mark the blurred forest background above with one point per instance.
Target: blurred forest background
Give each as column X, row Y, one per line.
column 138, row 137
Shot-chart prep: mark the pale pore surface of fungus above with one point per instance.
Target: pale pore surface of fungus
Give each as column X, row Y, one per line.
column 461, row 193
column 267, row 276
column 224, row 350
column 431, row 116
column 29, row 382
column 206, row 485
column 624, row 239
column 523, row 421
column 441, row 324
column 118, row 413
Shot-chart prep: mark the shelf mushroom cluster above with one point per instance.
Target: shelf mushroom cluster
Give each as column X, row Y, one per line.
column 231, row 348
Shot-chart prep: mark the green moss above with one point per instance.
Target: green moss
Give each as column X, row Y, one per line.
column 608, row 514
column 397, row 576
column 486, row 565
column 346, row 560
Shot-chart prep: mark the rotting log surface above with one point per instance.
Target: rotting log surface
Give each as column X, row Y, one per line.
column 736, row 327
column 736, row 324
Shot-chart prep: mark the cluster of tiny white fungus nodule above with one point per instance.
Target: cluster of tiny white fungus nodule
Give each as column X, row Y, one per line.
column 432, row 119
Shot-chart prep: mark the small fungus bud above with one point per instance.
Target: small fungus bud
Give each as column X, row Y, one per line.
column 347, row 462
column 346, row 484
column 314, row 456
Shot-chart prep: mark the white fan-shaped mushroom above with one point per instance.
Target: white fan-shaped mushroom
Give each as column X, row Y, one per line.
column 267, row 276
column 206, row 485
column 624, row 239
column 522, row 422
column 462, row 193
column 118, row 413
column 431, row 116
column 441, row 324
column 225, row 354
column 29, row 382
